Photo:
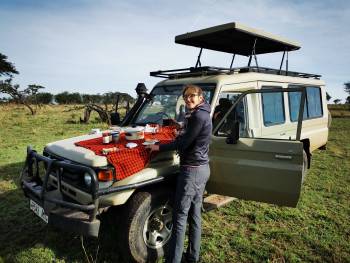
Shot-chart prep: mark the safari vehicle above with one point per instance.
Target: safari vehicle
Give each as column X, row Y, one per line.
column 267, row 123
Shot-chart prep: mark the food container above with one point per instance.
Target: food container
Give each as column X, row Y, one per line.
column 136, row 133
column 152, row 128
column 106, row 137
column 115, row 136
column 115, row 128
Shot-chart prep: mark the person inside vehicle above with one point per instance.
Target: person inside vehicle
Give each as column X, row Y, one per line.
column 220, row 110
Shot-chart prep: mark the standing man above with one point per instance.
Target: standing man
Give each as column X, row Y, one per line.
column 193, row 147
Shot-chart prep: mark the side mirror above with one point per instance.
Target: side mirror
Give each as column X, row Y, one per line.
column 233, row 137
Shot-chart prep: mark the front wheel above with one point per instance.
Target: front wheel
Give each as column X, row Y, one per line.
column 148, row 226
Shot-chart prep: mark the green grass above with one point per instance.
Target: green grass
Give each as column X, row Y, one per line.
column 318, row 230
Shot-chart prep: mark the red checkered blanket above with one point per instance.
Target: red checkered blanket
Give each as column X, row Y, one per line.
column 128, row 161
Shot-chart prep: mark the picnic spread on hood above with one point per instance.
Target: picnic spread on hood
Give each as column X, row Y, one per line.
column 125, row 147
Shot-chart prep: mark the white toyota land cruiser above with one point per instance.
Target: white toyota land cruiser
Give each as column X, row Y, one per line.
column 267, row 122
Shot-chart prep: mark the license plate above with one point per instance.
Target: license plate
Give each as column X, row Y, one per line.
column 39, row 211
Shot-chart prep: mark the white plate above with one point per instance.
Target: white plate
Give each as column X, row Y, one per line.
column 149, row 142
column 38, row 210
column 131, row 145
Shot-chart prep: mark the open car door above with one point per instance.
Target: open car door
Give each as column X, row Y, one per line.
column 266, row 170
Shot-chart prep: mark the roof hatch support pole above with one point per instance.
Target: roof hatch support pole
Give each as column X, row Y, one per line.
column 250, row 60
column 284, row 53
column 198, row 63
column 253, row 54
column 287, row 64
column 233, row 59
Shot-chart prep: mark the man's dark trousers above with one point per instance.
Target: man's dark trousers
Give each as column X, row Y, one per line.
column 188, row 204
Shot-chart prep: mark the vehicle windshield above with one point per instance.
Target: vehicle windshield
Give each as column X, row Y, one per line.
column 167, row 103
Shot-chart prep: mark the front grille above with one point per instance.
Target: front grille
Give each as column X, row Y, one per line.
column 71, row 177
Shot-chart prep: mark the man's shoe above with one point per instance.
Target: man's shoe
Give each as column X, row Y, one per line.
column 185, row 260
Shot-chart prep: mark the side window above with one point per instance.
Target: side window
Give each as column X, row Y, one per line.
column 294, row 104
column 313, row 104
column 273, row 107
column 226, row 100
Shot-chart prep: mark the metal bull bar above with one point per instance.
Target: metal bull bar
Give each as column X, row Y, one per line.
column 36, row 187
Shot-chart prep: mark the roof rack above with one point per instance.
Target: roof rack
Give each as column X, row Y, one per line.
column 208, row 71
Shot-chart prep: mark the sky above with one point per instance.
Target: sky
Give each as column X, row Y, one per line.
column 91, row 46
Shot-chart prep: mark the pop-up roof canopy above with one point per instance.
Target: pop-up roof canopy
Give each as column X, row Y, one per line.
column 237, row 39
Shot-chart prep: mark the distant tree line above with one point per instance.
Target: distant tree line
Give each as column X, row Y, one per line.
column 106, row 98
column 66, row 97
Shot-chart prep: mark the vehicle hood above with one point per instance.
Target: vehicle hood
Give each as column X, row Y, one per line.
column 68, row 150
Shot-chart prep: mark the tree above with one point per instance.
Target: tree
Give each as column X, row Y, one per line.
column 347, row 87
column 6, row 68
column 62, row 98
column 336, row 101
column 20, row 96
column 44, row 98
column 110, row 98
column 116, row 99
column 75, row 98
column 87, row 98
column 347, row 100
column 32, row 97
column 328, row 97
column 68, row 98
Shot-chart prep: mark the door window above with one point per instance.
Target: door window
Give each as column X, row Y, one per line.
column 226, row 100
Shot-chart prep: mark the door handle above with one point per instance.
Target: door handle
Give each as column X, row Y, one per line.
column 283, row 157
column 283, row 133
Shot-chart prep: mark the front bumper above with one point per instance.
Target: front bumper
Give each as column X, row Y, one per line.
column 63, row 213
column 67, row 215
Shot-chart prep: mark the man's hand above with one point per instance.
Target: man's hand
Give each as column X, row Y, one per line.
column 153, row 147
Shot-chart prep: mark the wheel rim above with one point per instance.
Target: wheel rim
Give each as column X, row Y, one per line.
column 158, row 226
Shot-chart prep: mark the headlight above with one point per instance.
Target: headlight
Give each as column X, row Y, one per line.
column 87, row 179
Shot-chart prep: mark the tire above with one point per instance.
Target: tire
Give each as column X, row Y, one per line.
column 305, row 166
column 148, row 226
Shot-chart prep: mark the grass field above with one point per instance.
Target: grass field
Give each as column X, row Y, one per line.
column 318, row 230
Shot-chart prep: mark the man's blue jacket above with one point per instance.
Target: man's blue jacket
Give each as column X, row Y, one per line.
column 193, row 144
